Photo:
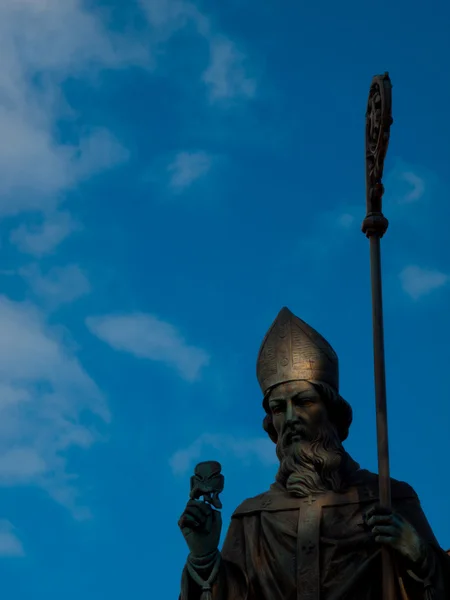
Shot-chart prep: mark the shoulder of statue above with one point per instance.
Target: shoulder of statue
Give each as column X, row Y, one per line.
column 400, row 490
column 260, row 502
column 249, row 505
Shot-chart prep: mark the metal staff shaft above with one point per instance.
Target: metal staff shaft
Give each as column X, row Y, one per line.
column 378, row 122
column 380, row 372
column 388, row 582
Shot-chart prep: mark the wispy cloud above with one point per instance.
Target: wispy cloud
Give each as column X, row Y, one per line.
column 329, row 232
column 65, row 39
column 418, row 282
column 407, row 184
column 44, row 238
column 10, row 544
column 346, row 220
column 186, row 168
column 147, row 336
column 246, row 450
column 59, row 285
column 44, row 393
column 417, row 187
column 226, row 76
column 168, row 16
column 56, row 40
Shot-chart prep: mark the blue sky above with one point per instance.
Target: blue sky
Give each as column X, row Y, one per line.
column 171, row 175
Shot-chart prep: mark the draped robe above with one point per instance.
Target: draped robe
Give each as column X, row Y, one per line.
column 282, row 547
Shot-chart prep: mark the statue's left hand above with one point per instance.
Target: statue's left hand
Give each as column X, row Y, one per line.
column 391, row 529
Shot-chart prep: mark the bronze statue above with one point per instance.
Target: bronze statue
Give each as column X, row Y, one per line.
column 318, row 532
column 326, row 529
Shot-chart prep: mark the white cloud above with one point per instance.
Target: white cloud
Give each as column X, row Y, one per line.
column 346, row 220
column 186, row 168
column 44, row 238
column 10, row 544
column 21, row 464
column 418, row 282
column 322, row 238
column 57, row 39
column 417, row 184
column 246, row 450
column 44, row 397
column 168, row 16
column 59, row 285
column 42, row 43
column 226, row 75
column 146, row 336
column 405, row 185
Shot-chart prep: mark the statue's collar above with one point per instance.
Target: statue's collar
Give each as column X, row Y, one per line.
column 362, row 488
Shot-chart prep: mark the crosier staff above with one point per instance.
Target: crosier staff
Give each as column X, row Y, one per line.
column 378, row 123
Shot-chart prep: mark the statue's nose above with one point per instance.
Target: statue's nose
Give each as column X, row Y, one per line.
column 291, row 414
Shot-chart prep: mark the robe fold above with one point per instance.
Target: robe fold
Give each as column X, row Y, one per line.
column 281, row 547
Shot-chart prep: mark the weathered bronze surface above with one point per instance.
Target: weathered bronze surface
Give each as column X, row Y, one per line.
column 325, row 529
column 317, row 533
column 208, row 482
column 292, row 351
column 378, row 126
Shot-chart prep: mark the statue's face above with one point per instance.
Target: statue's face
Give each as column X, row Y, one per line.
column 298, row 412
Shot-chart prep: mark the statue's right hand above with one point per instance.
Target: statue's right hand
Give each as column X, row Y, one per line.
column 201, row 526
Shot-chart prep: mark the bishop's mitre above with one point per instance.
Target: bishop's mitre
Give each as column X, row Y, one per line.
column 292, row 350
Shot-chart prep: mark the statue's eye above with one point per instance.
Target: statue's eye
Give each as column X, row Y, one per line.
column 304, row 401
column 276, row 410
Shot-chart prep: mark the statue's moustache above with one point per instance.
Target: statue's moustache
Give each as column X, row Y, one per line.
column 293, row 430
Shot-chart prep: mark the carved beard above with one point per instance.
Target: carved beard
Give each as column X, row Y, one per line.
column 308, row 467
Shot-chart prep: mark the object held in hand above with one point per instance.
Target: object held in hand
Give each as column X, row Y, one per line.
column 208, row 482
